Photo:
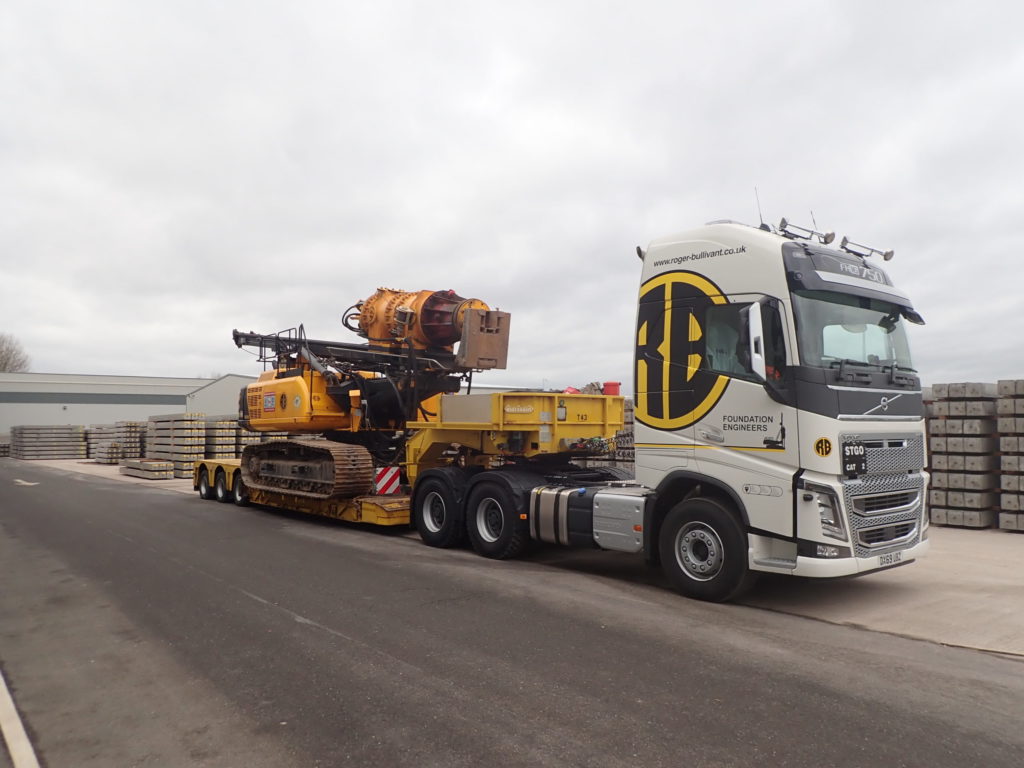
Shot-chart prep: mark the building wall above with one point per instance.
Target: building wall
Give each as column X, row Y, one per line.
column 83, row 413
column 219, row 397
column 42, row 398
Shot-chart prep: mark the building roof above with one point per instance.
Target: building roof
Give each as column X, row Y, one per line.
column 90, row 383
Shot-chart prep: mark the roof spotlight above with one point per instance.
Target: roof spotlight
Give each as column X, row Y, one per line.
column 864, row 251
column 792, row 230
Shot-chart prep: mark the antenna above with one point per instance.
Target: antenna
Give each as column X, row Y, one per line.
column 759, row 214
column 813, row 221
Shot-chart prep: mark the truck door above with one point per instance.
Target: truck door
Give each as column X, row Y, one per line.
column 747, row 439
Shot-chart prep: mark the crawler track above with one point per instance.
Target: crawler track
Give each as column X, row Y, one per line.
column 316, row 469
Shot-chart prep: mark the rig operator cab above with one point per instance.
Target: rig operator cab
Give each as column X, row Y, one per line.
column 779, row 418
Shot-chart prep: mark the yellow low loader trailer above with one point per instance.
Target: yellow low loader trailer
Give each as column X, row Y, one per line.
column 472, row 433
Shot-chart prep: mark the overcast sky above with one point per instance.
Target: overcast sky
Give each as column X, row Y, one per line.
column 172, row 170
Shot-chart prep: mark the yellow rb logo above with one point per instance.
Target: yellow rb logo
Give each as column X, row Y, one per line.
column 674, row 387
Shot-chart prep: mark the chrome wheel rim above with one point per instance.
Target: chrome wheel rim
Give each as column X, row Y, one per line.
column 699, row 551
column 433, row 512
column 489, row 520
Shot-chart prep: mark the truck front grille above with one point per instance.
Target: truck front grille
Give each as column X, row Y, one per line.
column 885, row 502
column 885, row 511
column 891, row 453
column 886, row 534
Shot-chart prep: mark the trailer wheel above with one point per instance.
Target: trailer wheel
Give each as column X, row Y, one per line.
column 205, row 491
column 220, row 488
column 704, row 551
column 492, row 522
column 437, row 517
column 239, row 493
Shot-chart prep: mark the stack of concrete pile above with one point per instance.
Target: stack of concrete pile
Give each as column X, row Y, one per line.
column 963, row 444
column 132, row 437
column 179, row 438
column 5, row 449
column 221, row 437
column 107, row 452
column 243, row 438
column 48, row 442
column 1010, row 409
column 96, row 435
column 147, row 469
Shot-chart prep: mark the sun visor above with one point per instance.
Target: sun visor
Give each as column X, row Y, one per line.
column 819, row 269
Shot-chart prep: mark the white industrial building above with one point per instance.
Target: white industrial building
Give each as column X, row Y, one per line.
column 66, row 398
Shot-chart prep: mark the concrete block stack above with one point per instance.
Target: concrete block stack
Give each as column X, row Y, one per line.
column 963, row 443
column 1010, row 412
column 5, row 449
column 48, row 442
column 107, row 452
column 132, row 437
column 221, row 437
column 96, row 435
column 179, row 438
column 147, row 469
column 243, row 438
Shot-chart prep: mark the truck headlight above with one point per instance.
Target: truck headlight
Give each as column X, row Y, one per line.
column 830, row 511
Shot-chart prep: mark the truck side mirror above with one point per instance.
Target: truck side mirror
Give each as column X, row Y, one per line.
column 755, row 341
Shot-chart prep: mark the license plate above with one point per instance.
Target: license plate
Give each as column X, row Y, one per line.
column 890, row 559
column 855, row 459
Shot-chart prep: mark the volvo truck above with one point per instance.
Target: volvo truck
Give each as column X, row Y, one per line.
column 778, row 420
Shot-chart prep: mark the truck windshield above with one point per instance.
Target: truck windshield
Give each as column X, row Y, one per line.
column 836, row 328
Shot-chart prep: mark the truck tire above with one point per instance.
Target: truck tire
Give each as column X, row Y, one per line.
column 492, row 522
column 205, row 490
column 437, row 516
column 220, row 488
column 703, row 551
column 239, row 493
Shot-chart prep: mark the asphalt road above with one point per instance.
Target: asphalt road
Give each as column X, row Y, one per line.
column 141, row 627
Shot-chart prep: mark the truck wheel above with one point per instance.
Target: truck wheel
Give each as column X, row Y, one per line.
column 239, row 493
column 492, row 522
column 703, row 551
column 205, row 491
column 220, row 488
column 436, row 516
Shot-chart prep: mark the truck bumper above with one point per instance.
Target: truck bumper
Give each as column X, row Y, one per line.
column 822, row 568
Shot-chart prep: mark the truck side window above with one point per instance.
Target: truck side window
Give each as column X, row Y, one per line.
column 725, row 339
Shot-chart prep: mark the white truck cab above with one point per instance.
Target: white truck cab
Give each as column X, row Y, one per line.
column 778, row 413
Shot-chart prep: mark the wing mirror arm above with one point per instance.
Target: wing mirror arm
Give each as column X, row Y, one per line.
column 755, row 342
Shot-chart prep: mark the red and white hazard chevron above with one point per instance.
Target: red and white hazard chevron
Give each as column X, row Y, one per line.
column 387, row 480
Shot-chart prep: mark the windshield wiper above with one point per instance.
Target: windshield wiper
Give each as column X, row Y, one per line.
column 842, row 363
column 894, row 377
column 847, row 361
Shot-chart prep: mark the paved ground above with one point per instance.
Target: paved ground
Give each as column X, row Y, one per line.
column 152, row 628
column 968, row 592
